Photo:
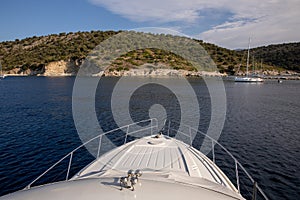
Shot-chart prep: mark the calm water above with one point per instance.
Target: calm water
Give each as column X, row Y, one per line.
column 261, row 128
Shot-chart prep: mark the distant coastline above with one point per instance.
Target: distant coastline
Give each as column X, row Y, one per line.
column 63, row 54
column 158, row 73
column 71, row 68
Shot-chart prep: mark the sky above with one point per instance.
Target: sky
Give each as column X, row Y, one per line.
column 227, row 23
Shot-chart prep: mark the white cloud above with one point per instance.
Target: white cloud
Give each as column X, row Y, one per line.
column 272, row 22
column 268, row 21
column 162, row 10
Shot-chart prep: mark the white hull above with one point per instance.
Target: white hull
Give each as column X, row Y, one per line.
column 248, row 79
column 164, row 168
column 251, row 79
column 167, row 165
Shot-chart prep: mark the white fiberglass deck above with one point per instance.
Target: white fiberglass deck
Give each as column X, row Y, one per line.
column 108, row 189
column 171, row 169
column 153, row 154
column 162, row 159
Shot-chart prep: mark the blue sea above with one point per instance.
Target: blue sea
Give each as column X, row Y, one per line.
column 261, row 128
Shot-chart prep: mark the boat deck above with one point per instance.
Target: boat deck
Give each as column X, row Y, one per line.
column 108, row 188
column 169, row 159
column 167, row 164
column 170, row 168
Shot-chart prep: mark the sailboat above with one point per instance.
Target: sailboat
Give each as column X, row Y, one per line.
column 2, row 76
column 248, row 78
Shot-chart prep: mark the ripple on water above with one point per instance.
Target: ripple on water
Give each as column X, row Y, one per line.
column 261, row 129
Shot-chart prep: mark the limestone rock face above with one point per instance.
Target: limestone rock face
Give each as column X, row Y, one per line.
column 60, row 68
column 57, row 68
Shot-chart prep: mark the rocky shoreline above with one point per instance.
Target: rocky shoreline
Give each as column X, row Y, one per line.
column 70, row 68
column 161, row 72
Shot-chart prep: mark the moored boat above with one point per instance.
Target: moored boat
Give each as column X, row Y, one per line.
column 2, row 76
column 248, row 78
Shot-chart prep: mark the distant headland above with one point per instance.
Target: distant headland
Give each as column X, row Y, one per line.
column 62, row 55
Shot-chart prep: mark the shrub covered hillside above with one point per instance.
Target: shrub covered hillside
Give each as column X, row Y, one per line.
column 36, row 52
column 282, row 55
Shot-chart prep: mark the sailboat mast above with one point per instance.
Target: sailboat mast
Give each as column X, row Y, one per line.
column 253, row 64
column 1, row 67
column 248, row 56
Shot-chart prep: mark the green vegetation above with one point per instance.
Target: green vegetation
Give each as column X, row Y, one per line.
column 152, row 56
column 36, row 52
column 281, row 55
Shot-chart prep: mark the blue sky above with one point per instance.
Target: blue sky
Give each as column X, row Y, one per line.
column 25, row 18
column 227, row 23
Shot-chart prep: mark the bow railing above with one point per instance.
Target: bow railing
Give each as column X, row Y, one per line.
column 184, row 133
column 136, row 130
column 187, row 134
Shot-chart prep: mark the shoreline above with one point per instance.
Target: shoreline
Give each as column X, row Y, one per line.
column 230, row 77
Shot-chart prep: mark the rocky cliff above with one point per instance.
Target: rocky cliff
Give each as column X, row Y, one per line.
column 71, row 67
column 57, row 68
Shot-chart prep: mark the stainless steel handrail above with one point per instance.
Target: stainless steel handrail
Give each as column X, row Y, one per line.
column 167, row 128
column 153, row 124
column 215, row 142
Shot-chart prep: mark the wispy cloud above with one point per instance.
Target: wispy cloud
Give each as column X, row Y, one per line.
column 271, row 22
column 155, row 10
column 268, row 21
